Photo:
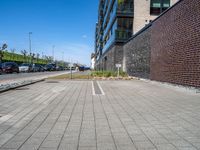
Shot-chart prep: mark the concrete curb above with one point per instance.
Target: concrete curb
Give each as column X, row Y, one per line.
column 18, row 85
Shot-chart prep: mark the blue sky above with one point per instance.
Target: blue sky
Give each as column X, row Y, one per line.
column 67, row 24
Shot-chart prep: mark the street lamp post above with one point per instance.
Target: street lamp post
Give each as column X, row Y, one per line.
column 30, row 44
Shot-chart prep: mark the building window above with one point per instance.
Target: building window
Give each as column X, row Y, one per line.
column 165, row 4
column 158, row 6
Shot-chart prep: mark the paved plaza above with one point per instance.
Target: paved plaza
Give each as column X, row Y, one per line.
column 102, row 115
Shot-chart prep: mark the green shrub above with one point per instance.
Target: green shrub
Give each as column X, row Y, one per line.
column 108, row 74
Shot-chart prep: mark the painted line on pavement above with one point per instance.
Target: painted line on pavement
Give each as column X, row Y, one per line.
column 97, row 89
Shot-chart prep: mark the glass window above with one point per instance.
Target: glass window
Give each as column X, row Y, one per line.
column 158, row 6
column 155, row 7
column 125, row 6
column 165, row 5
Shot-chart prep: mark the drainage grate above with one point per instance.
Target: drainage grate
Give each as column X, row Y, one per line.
column 52, row 82
column 97, row 89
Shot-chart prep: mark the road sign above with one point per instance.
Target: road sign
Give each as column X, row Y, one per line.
column 71, row 65
column 118, row 65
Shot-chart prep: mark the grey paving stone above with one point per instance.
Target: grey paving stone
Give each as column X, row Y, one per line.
column 144, row 145
column 87, row 148
column 106, row 146
column 12, row 145
column 131, row 115
column 166, row 147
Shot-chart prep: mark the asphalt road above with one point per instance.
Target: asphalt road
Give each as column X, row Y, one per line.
column 25, row 75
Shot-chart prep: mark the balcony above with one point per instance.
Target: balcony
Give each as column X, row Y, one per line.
column 122, row 35
column 125, row 10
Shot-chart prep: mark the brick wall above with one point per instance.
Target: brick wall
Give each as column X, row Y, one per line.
column 175, row 45
column 137, row 55
column 167, row 51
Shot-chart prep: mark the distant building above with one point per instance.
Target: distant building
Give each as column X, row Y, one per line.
column 118, row 20
column 93, row 58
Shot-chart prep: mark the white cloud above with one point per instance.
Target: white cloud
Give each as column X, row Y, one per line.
column 84, row 36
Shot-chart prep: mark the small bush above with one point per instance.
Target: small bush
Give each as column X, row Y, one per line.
column 108, row 74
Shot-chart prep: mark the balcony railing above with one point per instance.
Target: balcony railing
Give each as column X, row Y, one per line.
column 122, row 35
column 124, row 9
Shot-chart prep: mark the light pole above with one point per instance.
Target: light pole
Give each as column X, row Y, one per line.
column 30, row 44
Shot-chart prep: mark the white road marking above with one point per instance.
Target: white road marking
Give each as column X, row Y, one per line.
column 100, row 88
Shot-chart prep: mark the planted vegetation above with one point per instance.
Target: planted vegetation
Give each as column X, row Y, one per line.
column 108, row 74
column 19, row 58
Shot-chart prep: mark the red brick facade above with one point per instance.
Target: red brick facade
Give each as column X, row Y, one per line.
column 175, row 45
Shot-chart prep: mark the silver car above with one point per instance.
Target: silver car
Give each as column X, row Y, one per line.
column 25, row 67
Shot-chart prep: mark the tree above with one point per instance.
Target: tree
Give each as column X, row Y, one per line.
column 48, row 59
column 13, row 52
column 32, row 58
column 4, row 46
column 24, row 53
column 37, row 57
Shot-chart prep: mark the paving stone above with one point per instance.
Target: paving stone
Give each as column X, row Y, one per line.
column 131, row 115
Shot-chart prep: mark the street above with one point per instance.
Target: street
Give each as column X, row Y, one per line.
column 99, row 115
column 25, row 75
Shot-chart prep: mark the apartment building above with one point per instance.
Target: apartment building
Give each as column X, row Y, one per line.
column 147, row 10
column 115, row 23
column 118, row 20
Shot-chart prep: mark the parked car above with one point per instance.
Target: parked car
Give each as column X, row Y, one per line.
column 41, row 68
column 59, row 68
column 1, row 71
column 49, row 67
column 10, row 67
column 36, row 68
column 25, row 67
column 54, row 66
column 81, row 68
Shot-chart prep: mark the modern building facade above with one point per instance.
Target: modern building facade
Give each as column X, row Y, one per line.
column 118, row 20
column 147, row 10
column 115, row 22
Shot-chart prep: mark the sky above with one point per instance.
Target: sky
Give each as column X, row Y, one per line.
column 67, row 24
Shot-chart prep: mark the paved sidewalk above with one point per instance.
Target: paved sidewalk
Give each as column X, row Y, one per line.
column 67, row 115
